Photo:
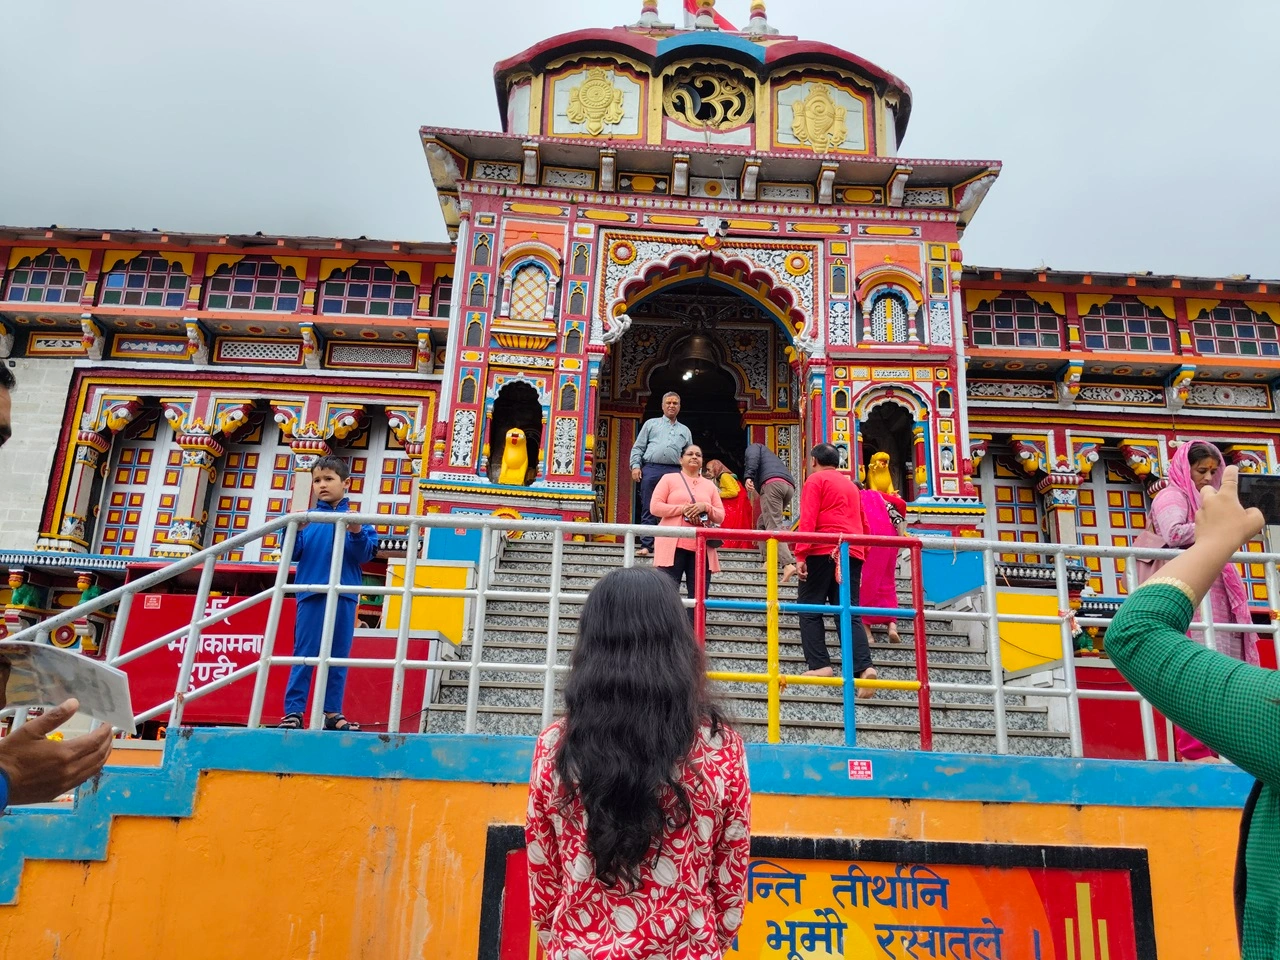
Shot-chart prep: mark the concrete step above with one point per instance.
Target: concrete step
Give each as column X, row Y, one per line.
column 450, row 718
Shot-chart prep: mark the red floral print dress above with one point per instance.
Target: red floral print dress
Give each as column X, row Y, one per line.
column 688, row 904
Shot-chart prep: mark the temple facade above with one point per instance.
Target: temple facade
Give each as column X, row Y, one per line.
column 725, row 214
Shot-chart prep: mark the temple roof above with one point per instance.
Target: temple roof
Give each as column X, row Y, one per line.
column 156, row 238
column 764, row 54
column 1138, row 280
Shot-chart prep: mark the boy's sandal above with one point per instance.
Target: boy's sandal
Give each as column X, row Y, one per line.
column 290, row 721
column 337, row 721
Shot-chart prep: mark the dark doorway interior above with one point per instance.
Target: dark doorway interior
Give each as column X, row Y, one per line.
column 516, row 406
column 888, row 429
column 708, row 407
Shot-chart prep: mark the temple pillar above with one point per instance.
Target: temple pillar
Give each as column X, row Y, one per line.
column 920, row 455
column 185, row 536
column 1061, row 493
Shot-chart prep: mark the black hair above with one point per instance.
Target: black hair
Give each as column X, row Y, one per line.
column 1203, row 451
column 688, row 445
column 826, row 454
column 336, row 464
column 635, row 699
column 7, row 380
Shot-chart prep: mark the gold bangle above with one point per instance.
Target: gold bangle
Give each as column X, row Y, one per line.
column 1176, row 583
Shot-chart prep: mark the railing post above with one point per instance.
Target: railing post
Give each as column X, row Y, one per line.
column 700, row 587
column 477, row 631
column 994, row 654
column 629, row 549
column 846, row 650
column 553, row 630
column 116, row 640
column 402, row 634
column 925, row 708
column 1145, row 714
column 332, row 604
column 192, row 648
column 1273, row 602
column 273, row 626
column 1068, row 655
column 772, row 666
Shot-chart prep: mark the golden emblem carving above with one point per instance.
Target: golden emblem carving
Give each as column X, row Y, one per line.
column 595, row 102
column 717, row 101
column 818, row 120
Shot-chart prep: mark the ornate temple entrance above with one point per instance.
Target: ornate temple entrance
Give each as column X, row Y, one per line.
column 723, row 354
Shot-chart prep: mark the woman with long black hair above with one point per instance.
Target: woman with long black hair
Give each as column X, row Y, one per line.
column 638, row 828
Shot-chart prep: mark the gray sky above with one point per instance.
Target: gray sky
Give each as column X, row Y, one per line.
column 1135, row 134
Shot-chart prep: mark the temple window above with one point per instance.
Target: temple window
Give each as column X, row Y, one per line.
column 1126, row 325
column 441, row 295
column 580, row 258
column 140, row 494
column 577, row 300
column 1235, row 331
column 382, row 476
column 48, row 278
column 253, row 488
column 887, row 320
column 1010, row 322
column 480, row 255
column 370, row 289
column 253, row 284
column 1013, row 507
column 467, row 392
column 568, row 397
column 477, row 294
column 529, row 290
column 146, row 281
column 839, row 279
column 573, row 341
column 475, row 334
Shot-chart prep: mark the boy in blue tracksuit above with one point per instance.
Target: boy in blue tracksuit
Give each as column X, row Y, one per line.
column 313, row 553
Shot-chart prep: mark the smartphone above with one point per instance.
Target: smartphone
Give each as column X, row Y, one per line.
column 1261, row 490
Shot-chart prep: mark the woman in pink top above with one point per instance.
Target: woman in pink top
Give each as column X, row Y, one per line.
column 639, row 822
column 678, row 499
column 1171, row 522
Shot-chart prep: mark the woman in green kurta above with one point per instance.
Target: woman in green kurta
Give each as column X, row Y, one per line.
column 1231, row 706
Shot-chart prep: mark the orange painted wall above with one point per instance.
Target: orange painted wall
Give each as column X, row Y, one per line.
column 325, row 867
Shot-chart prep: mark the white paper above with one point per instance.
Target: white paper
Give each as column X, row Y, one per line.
column 38, row 675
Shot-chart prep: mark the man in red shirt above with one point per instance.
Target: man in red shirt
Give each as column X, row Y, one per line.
column 829, row 503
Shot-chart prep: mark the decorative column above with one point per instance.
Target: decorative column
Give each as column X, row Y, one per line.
column 921, row 457
column 185, row 536
column 74, row 526
column 1061, row 492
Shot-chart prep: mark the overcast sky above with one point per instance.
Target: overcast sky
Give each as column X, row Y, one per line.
column 1135, row 134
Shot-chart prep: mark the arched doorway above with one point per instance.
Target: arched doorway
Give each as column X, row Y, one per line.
column 723, row 353
column 888, row 429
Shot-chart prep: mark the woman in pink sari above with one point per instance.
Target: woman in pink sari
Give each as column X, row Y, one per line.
column 879, row 571
column 1171, row 523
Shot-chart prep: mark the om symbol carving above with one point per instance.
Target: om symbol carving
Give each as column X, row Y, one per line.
column 595, row 102
column 708, row 100
column 818, row 120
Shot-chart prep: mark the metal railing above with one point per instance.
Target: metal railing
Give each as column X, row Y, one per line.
column 492, row 533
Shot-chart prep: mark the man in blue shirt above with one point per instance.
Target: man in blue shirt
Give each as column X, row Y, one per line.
column 656, row 453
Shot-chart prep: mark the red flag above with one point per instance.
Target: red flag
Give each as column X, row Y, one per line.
column 691, row 14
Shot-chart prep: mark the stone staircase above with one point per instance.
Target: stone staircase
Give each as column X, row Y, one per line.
column 516, row 630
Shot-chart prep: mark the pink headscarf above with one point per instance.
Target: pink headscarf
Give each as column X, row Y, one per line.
column 1180, row 478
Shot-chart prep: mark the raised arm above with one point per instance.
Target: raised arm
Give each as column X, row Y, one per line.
column 1231, row 706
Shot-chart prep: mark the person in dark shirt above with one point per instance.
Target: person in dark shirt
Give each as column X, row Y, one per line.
column 767, row 477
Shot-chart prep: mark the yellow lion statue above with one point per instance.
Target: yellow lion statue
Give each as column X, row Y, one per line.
column 878, row 476
column 515, row 458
